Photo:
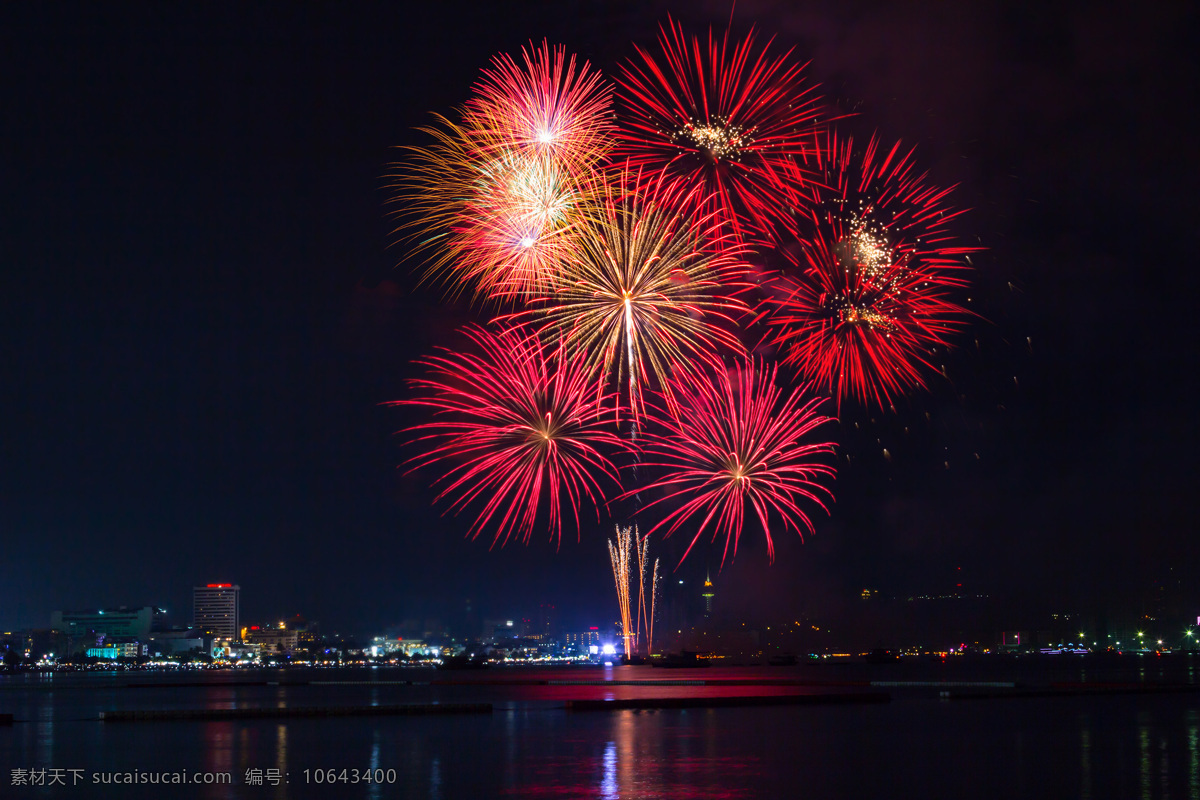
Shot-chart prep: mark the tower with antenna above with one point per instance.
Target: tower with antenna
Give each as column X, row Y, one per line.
column 708, row 594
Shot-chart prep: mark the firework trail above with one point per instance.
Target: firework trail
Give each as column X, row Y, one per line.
column 653, row 599
column 648, row 290
column 642, row 546
column 739, row 445
column 619, row 552
column 645, row 615
column 869, row 297
column 722, row 116
column 516, row 424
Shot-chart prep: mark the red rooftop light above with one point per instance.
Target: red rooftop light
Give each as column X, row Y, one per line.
column 219, row 585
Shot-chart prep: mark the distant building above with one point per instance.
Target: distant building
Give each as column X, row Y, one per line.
column 90, row 628
column 44, row 643
column 114, row 651
column 215, row 609
column 273, row 640
column 502, row 633
column 546, row 627
column 176, row 641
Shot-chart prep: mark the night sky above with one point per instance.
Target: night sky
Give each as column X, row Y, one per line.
column 204, row 309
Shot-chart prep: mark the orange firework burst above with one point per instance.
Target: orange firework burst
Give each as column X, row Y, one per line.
column 649, row 287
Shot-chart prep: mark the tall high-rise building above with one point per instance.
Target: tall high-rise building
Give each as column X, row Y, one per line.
column 215, row 609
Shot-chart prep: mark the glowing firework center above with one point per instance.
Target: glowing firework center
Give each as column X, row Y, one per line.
column 716, row 140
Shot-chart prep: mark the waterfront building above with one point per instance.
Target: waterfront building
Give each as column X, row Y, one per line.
column 215, row 609
column 172, row 642
column 273, row 640
column 580, row 643
column 114, row 651
column 90, row 628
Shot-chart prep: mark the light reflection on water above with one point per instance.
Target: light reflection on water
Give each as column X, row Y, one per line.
column 608, row 779
column 1085, row 758
column 1121, row 746
column 375, row 790
column 1143, row 735
column 281, row 758
column 1193, row 740
column 435, row 780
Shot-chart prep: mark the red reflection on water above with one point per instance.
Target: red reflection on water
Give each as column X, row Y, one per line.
column 648, row 754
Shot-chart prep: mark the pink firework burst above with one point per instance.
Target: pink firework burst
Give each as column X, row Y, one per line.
column 868, row 299
column 723, row 116
column 738, row 447
column 516, row 425
column 545, row 106
column 495, row 198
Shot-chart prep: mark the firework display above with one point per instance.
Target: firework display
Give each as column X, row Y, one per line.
column 720, row 115
column 869, row 296
column 515, row 424
column 743, row 447
column 630, row 256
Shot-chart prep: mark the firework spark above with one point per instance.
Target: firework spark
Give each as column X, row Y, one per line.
column 739, row 446
column 724, row 116
column 868, row 298
column 648, row 289
column 517, row 424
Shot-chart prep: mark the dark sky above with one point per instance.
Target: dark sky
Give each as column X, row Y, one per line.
column 202, row 314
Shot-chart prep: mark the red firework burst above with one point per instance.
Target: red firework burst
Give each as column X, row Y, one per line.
column 737, row 445
column 724, row 116
column 863, row 306
column 515, row 424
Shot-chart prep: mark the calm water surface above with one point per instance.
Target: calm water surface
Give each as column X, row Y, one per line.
column 532, row 746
